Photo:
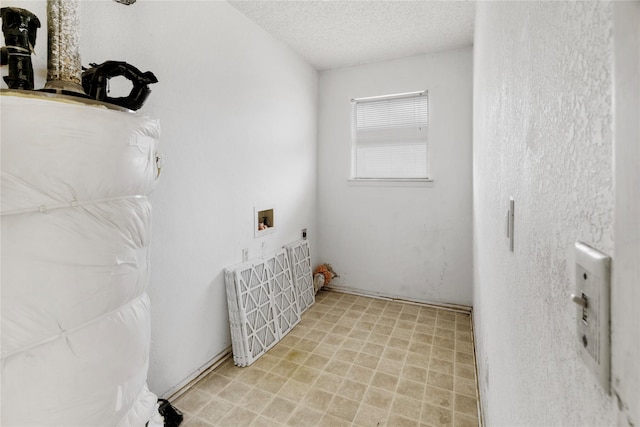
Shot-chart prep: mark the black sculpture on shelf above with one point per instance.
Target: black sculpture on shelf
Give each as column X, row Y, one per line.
column 19, row 27
column 96, row 79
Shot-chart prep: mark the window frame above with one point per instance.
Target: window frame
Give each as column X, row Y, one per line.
column 354, row 141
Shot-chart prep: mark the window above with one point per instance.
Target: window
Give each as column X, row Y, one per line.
column 390, row 136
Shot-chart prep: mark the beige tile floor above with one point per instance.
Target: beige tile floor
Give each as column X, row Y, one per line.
column 351, row 360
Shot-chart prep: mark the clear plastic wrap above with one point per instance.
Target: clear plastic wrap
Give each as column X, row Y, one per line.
column 76, row 224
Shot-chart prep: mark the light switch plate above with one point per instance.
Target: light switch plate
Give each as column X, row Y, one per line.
column 593, row 290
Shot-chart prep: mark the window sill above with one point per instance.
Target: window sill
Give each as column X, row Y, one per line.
column 391, row 182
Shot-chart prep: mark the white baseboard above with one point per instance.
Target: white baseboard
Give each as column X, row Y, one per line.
column 475, row 358
column 184, row 385
column 390, row 297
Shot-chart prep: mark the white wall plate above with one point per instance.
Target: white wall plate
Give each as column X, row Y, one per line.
column 593, row 277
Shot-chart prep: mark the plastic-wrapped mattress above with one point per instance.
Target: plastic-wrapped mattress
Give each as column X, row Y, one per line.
column 76, row 225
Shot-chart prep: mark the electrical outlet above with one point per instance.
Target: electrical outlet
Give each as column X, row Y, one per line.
column 245, row 254
column 304, row 233
column 592, row 277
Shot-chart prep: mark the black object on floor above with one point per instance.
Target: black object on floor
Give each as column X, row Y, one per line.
column 172, row 415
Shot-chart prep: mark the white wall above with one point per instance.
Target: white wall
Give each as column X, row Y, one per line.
column 542, row 134
column 406, row 240
column 238, row 115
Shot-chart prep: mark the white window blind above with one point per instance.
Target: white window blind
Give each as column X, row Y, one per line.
column 390, row 136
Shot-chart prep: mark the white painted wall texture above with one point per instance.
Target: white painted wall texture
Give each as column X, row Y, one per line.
column 404, row 240
column 238, row 115
column 542, row 134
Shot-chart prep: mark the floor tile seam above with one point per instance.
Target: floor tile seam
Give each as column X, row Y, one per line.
column 227, row 399
column 395, row 391
column 465, row 394
column 421, row 399
column 439, row 332
column 444, row 360
column 455, row 414
column 444, row 327
column 343, row 397
column 380, row 327
column 465, row 364
column 253, row 381
column 367, row 384
column 401, row 416
column 199, row 413
column 365, row 406
column 463, row 377
column 430, row 369
column 204, row 421
column 196, row 387
column 376, row 388
column 439, row 405
column 461, row 350
column 350, row 343
column 464, row 341
column 370, row 352
column 305, row 407
column 315, row 332
column 426, row 320
column 385, row 312
column 455, row 398
column 341, row 307
column 445, row 348
column 229, row 411
column 279, row 396
column 291, row 377
column 241, row 407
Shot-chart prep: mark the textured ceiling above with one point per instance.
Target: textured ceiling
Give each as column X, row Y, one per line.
column 333, row 34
